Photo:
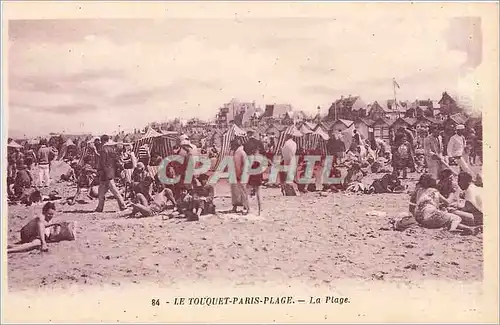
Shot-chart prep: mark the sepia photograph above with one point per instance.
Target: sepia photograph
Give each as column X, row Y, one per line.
column 250, row 149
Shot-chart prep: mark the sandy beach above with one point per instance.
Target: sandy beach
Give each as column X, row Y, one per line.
column 313, row 237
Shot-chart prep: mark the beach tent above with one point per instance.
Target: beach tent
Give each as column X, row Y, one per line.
column 305, row 129
column 158, row 143
column 68, row 145
column 232, row 133
column 319, row 140
column 291, row 130
column 14, row 144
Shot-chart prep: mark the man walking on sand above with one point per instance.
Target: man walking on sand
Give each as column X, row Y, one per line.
column 45, row 156
column 106, row 170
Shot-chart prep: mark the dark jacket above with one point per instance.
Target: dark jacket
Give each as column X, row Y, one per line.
column 108, row 162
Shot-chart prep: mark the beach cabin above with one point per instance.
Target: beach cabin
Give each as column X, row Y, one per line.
column 325, row 125
column 476, row 124
column 340, row 125
column 364, row 126
column 425, row 122
column 403, row 122
column 382, row 129
column 378, row 110
column 453, row 120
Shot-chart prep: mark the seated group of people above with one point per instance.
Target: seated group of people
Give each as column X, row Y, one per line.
column 189, row 200
column 456, row 205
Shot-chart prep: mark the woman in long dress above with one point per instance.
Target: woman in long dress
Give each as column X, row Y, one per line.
column 239, row 195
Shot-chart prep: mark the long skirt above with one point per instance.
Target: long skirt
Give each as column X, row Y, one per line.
column 239, row 195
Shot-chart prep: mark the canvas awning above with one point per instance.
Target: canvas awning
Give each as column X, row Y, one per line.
column 14, row 144
column 151, row 133
column 238, row 131
column 322, row 134
column 293, row 131
column 304, row 129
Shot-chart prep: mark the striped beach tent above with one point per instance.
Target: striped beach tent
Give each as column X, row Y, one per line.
column 319, row 140
column 232, row 133
column 291, row 130
column 162, row 144
column 305, row 142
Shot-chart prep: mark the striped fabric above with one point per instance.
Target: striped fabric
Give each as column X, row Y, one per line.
column 317, row 142
column 163, row 145
column 306, row 142
column 143, row 153
column 227, row 138
column 153, row 170
column 281, row 139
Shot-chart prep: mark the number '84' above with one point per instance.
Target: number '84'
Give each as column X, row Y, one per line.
column 155, row 302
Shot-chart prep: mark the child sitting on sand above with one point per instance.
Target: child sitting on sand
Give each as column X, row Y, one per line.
column 39, row 231
column 185, row 201
column 203, row 197
column 23, row 179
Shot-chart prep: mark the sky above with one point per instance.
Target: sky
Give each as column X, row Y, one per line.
column 100, row 75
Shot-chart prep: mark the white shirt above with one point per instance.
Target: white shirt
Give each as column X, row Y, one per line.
column 474, row 195
column 288, row 151
column 456, row 146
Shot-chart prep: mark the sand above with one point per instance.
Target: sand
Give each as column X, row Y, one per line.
column 312, row 237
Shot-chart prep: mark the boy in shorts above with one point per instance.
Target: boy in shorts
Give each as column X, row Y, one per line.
column 39, row 231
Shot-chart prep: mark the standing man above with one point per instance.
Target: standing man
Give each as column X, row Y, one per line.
column 44, row 157
column 106, row 170
column 456, row 148
column 433, row 152
column 239, row 195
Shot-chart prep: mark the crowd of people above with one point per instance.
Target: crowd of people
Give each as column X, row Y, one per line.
column 448, row 193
